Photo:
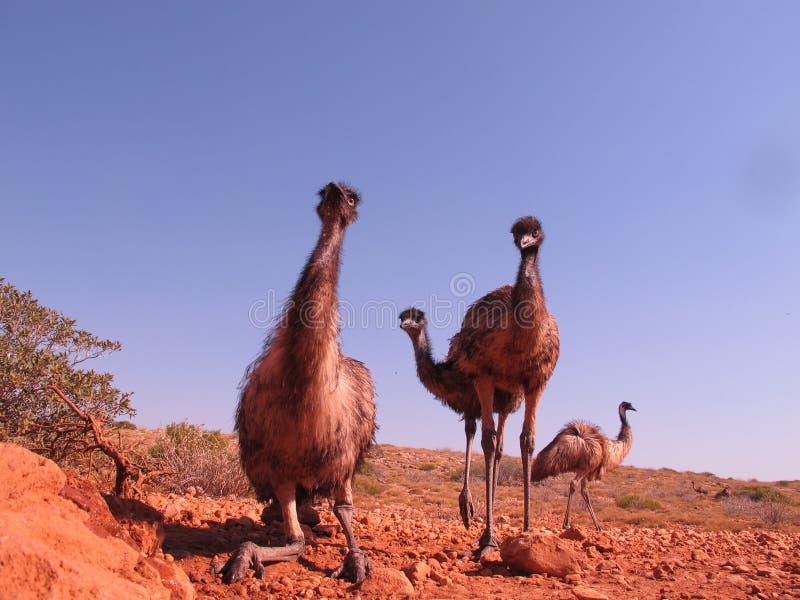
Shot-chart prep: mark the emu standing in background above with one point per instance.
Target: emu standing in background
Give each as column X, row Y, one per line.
column 509, row 341
column 306, row 414
column 580, row 448
column 457, row 393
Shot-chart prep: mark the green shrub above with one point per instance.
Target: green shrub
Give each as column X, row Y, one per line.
column 427, row 466
column 635, row 501
column 365, row 485
column 190, row 456
column 760, row 493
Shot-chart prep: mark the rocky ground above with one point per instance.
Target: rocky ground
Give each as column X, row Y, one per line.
column 425, row 557
column 60, row 539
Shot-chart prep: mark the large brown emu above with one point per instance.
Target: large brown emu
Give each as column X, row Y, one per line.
column 306, row 414
column 457, row 393
column 509, row 341
column 582, row 449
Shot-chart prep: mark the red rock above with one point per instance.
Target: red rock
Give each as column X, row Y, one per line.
column 51, row 548
column 573, row 533
column 144, row 523
column 417, row 572
column 538, row 553
column 586, row 593
column 384, row 582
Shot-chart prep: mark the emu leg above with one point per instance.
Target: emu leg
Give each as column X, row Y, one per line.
column 488, row 542
column 485, row 390
column 585, row 494
column 250, row 555
column 498, row 453
column 572, row 487
column 526, row 445
column 356, row 565
column 465, row 505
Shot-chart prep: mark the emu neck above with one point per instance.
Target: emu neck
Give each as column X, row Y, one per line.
column 625, row 436
column 527, row 298
column 426, row 367
column 311, row 322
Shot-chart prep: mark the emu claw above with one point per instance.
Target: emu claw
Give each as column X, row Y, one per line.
column 466, row 507
column 487, row 544
column 239, row 562
column 355, row 567
column 250, row 555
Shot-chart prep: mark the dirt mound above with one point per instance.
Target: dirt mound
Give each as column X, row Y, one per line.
column 59, row 539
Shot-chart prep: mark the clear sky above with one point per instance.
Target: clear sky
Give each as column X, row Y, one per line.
column 159, row 163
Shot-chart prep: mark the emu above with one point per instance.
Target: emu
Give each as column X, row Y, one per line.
column 306, row 414
column 509, row 341
column 582, row 449
column 457, row 393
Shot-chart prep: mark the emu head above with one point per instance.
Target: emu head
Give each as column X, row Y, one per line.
column 338, row 202
column 528, row 234
column 412, row 321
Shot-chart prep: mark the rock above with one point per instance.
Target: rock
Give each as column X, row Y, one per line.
column 700, row 556
column 418, row 572
column 491, row 558
column 440, row 578
column 384, row 582
column 542, row 554
column 52, row 547
column 144, row 523
column 587, row 593
column 574, row 534
column 327, row 531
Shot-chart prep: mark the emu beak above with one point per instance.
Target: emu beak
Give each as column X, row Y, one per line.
column 527, row 240
column 633, row 409
column 406, row 324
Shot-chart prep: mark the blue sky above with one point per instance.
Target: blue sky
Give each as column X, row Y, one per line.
column 158, row 165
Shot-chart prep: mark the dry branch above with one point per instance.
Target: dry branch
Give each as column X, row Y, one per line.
column 125, row 468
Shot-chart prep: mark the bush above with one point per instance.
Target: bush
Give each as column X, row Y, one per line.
column 760, row 493
column 771, row 512
column 365, row 485
column 510, row 471
column 427, row 467
column 41, row 348
column 190, row 456
column 635, row 501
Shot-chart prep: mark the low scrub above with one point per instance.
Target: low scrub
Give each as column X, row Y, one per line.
column 636, row 501
column 761, row 493
column 189, row 456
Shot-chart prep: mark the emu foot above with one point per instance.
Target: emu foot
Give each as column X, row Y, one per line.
column 466, row 507
column 488, row 543
column 355, row 567
column 250, row 555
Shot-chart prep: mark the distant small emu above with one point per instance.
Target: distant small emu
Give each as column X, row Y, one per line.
column 582, row 449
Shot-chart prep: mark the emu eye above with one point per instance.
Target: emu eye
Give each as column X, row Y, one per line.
column 351, row 201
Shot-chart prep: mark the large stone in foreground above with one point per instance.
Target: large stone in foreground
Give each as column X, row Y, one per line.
column 541, row 554
column 60, row 541
column 383, row 582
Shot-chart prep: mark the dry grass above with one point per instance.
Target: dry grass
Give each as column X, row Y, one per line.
column 431, row 480
column 425, row 479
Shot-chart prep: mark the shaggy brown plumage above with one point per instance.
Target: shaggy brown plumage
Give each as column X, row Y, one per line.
column 582, row 449
column 456, row 392
column 509, row 341
column 306, row 414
